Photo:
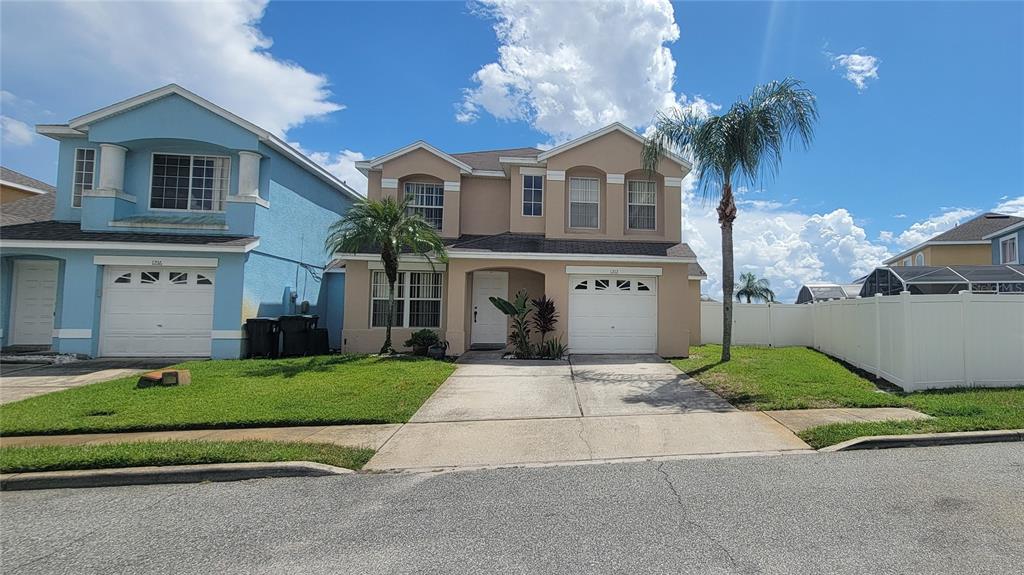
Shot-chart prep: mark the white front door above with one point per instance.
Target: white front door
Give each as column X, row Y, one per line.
column 490, row 326
column 35, row 297
column 156, row 311
column 613, row 314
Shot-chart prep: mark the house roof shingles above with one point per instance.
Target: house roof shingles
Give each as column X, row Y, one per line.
column 37, row 208
column 72, row 232
column 978, row 228
column 529, row 243
column 9, row 175
column 488, row 159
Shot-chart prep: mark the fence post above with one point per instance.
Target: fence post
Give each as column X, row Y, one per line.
column 878, row 335
column 771, row 336
column 965, row 304
column 909, row 381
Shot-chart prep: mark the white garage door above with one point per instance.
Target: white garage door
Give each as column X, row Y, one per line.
column 613, row 314
column 156, row 312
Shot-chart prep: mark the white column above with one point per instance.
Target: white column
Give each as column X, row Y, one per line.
column 249, row 174
column 112, row 167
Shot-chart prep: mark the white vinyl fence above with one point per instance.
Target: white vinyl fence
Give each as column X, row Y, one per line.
column 917, row 342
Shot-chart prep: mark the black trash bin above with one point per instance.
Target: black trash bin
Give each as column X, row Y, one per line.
column 321, row 344
column 297, row 334
column 264, row 336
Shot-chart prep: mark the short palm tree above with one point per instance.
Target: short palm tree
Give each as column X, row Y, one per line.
column 754, row 289
column 388, row 226
column 746, row 142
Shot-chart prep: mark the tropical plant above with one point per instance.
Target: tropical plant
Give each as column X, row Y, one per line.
column 552, row 348
column 744, row 143
column 519, row 311
column 545, row 316
column 387, row 226
column 421, row 340
column 753, row 288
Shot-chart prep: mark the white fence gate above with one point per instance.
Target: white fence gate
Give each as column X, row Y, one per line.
column 917, row 342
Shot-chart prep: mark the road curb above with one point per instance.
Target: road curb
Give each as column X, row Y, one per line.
column 927, row 440
column 166, row 474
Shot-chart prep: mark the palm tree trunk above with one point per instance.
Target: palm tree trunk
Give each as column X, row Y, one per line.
column 726, row 217
column 748, row 299
column 391, row 271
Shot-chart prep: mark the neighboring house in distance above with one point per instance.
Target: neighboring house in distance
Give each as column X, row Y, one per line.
column 966, row 244
column 37, row 208
column 810, row 293
column 175, row 221
column 582, row 223
column 1006, row 244
column 15, row 186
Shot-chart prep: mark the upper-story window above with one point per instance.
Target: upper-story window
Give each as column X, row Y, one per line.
column 194, row 183
column 1008, row 250
column 584, row 203
column 426, row 200
column 919, row 259
column 85, row 174
column 533, row 195
column 906, row 262
column 642, row 202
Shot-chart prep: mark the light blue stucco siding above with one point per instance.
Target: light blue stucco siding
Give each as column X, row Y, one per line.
column 291, row 256
column 63, row 211
column 79, row 296
column 996, row 254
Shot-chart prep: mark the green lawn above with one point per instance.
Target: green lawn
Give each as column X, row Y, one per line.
column 54, row 458
column 801, row 378
column 760, row 378
column 325, row 390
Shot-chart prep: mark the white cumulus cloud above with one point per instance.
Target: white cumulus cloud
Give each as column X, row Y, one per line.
column 859, row 68
column 929, row 227
column 114, row 50
column 16, row 132
column 343, row 166
column 1011, row 206
column 569, row 68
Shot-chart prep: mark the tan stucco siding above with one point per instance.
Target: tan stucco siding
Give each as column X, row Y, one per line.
column 678, row 303
column 421, row 166
column 950, row 255
column 9, row 194
column 357, row 335
column 518, row 223
column 484, row 205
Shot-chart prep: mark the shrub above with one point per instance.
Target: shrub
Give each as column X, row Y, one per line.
column 552, row 349
column 421, row 340
column 544, row 316
column 519, row 311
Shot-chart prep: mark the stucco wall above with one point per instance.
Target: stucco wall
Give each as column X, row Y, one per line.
column 957, row 255
column 9, row 194
column 995, row 255
column 484, row 206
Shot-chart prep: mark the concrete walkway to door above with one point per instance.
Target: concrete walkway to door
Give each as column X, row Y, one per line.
column 494, row 412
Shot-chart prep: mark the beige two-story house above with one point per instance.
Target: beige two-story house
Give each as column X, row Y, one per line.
column 583, row 223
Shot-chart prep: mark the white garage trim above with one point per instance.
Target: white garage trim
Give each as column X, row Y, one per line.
column 155, row 262
column 605, row 271
column 73, row 333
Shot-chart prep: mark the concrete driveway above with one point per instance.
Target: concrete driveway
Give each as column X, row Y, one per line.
column 493, row 412
column 20, row 381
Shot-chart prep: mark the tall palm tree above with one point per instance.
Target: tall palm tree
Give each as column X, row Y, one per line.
column 388, row 226
column 744, row 143
column 754, row 289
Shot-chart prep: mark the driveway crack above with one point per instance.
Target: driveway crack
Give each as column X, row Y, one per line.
column 575, row 389
column 696, row 526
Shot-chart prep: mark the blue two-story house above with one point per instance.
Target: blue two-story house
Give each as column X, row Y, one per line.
column 1006, row 244
column 175, row 221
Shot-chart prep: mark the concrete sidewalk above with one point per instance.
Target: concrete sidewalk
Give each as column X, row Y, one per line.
column 20, row 381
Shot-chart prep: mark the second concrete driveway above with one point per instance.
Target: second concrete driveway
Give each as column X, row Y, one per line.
column 492, row 412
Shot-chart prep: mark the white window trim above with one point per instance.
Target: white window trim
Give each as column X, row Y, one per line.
column 74, row 172
column 149, row 185
column 405, row 194
column 598, row 181
column 1016, row 249
column 522, row 203
column 907, row 261
column 919, row 256
column 407, row 299
column 655, row 205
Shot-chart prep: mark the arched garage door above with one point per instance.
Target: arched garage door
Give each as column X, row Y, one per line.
column 613, row 314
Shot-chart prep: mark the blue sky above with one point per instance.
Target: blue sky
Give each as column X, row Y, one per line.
column 922, row 104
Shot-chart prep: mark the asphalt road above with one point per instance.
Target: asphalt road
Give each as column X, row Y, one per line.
column 926, row 510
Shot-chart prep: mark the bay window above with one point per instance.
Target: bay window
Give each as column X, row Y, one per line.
column 417, row 300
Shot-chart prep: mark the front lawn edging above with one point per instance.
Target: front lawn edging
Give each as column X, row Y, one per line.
column 165, row 474
column 926, row 440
